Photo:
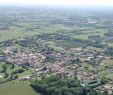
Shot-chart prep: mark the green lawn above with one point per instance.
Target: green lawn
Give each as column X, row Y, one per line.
column 19, row 88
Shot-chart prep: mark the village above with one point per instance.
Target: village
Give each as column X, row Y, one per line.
column 84, row 64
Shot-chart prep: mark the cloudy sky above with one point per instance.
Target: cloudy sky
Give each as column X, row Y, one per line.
column 58, row 2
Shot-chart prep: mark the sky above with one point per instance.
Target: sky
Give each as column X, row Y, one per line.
column 59, row 2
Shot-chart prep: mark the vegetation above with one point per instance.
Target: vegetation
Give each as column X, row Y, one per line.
column 10, row 72
column 56, row 85
column 16, row 88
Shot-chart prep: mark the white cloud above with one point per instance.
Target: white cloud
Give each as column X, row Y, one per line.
column 59, row 2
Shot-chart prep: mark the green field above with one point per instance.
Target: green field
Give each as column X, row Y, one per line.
column 9, row 35
column 20, row 88
column 70, row 44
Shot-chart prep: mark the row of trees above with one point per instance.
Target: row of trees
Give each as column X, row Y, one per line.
column 57, row 85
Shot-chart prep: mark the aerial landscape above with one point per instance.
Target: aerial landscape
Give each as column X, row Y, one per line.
column 46, row 50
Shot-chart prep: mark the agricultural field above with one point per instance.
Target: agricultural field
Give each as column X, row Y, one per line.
column 9, row 35
column 18, row 25
column 16, row 88
column 70, row 44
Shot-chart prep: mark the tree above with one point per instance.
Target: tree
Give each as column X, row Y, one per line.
column 5, row 75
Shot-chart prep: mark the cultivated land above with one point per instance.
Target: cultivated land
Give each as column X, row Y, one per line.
column 56, row 51
column 16, row 88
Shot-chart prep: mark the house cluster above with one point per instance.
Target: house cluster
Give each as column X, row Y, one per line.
column 58, row 68
column 65, row 62
column 24, row 57
column 2, row 58
column 59, row 61
column 85, row 76
column 86, row 55
column 107, row 88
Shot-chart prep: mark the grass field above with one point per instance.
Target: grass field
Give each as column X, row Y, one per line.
column 20, row 88
column 97, row 49
column 70, row 44
column 8, row 35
